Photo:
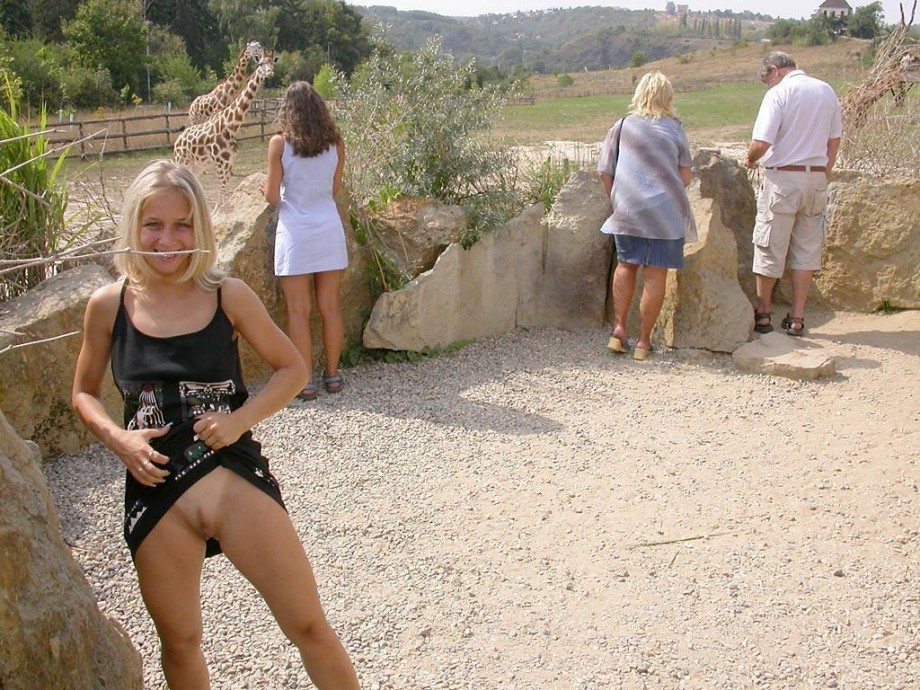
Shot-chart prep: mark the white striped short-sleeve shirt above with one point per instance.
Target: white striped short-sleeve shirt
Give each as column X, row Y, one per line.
column 797, row 117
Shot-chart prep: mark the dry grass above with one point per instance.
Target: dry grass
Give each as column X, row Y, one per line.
column 838, row 63
column 718, row 93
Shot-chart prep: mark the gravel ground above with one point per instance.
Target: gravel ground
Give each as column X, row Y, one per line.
column 533, row 512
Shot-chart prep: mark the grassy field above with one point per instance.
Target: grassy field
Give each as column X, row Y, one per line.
column 718, row 114
column 717, row 98
column 717, row 93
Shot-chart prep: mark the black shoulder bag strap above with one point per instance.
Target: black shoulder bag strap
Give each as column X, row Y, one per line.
column 616, row 157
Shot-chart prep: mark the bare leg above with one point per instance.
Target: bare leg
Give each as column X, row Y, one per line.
column 764, row 293
column 296, row 291
column 168, row 566
column 259, row 539
column 327, row 286
column 624, row 287
column 801, row 284
column 653, row 282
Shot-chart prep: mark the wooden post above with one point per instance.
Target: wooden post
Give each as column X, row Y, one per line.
column 166, row 115
column 82, row 142
column 124, row 132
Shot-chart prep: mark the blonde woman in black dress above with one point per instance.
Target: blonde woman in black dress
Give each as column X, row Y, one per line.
column 197, row 483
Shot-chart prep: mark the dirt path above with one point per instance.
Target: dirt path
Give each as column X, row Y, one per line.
column 536, row 513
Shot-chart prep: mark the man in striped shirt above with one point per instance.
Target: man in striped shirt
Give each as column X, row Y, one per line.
column 795, row 138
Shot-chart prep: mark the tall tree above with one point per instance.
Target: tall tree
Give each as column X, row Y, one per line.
column 48, row 17
column 331, row 25
column 109, row 34
column 15, row 18
column 196, row 25
column 866, row 21
column 240, row 21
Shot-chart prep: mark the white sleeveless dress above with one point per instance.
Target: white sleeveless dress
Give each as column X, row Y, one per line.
column 310, row 237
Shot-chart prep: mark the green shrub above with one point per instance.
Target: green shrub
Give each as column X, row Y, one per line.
column 180, row 80
column 548, row 179
column 564, row 81
column 412, row 126
column 38, row 66
column 324, row 82
column 298, row 65
column 86, row 89
column 10, row 83
column 32, row 204
column 416, row 125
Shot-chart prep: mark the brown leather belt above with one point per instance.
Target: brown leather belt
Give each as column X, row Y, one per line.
column 800, row 168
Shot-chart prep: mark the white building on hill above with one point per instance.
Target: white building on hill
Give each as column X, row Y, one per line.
column 835, row 9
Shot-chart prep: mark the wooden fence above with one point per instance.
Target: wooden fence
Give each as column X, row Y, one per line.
column 137, row 133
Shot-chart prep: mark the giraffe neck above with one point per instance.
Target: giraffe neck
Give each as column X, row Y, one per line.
column 227, row 88
column 232, row 117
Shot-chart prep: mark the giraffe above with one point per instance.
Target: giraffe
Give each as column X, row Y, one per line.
column 214, row 140
column 896, row 68
column 890, row 74
column 220, row 96
column 911, row 76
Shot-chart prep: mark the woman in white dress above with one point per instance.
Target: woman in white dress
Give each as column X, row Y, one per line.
column 305, row 163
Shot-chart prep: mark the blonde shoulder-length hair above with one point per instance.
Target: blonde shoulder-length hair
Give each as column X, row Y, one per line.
column 653, row 97
column 158, row 177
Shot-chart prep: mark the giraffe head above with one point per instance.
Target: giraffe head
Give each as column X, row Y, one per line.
column 266, row 66
column 255, row 50
column 910, row 67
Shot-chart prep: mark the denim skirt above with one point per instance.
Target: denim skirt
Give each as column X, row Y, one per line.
column 645, row 252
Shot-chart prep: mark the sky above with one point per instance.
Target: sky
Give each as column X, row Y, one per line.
column 789, row 9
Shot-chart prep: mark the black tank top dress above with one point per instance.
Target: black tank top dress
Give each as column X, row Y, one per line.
column 174, row 380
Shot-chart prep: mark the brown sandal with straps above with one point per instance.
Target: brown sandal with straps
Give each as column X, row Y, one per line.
column 762, row 327
column 791, row 321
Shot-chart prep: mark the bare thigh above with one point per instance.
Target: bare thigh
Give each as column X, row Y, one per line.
column 168, row 564
column 296, row 290
column 328, row 285
column 257, row 535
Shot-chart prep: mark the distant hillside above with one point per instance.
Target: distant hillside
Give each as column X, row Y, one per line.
column 565, row 40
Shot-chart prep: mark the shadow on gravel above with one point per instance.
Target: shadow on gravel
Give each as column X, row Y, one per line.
column 450, row 407
column 907, row 342
column 511, row 384
column 99, row 491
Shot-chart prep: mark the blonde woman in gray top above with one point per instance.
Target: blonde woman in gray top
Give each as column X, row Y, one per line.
column 644, row 166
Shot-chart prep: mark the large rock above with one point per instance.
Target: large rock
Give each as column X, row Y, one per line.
column 572, row 290
column 245, row 227
column 468, row 294
column 872, row 250
column 37, row 379
column 412, row 232
column 727, row 183
column 778, row 354
column 529, row 273
column 52, row 634
column 704, row 305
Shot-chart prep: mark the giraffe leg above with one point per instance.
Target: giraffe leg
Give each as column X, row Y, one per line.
column 223, row 176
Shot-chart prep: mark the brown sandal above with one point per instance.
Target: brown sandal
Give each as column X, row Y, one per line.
column 791, row 321
column 762, row 327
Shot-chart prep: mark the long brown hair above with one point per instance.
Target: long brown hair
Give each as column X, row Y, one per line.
column 306, row 122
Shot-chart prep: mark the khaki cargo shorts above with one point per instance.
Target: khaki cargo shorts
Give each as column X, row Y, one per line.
column 790, row 222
